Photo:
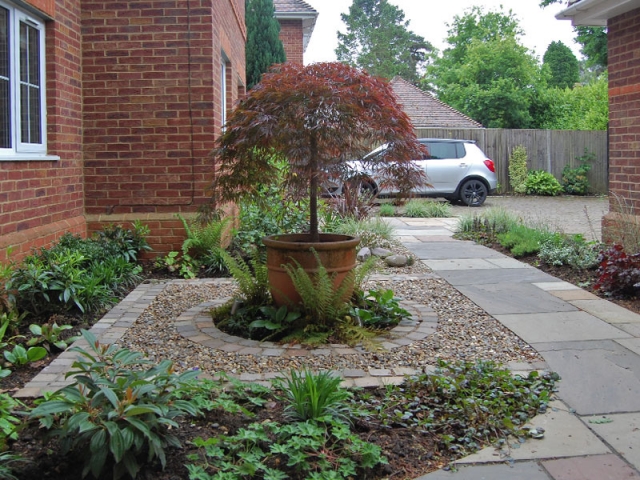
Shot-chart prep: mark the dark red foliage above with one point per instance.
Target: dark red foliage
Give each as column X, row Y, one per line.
column 619, row 272
column 317, row 117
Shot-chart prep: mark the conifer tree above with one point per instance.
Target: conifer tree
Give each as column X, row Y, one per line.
column 563, row 64
column 264, row 47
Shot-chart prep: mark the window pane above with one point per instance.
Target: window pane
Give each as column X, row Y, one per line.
column 30, row 91
column 5, row 100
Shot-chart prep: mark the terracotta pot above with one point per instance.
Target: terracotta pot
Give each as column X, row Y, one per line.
column 337, row 254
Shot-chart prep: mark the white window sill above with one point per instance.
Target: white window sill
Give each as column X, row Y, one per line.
column 31, row 157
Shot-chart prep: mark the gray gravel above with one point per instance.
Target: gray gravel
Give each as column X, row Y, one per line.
column 465, row 332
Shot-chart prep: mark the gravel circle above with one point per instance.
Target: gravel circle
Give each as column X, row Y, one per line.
column 465, row 331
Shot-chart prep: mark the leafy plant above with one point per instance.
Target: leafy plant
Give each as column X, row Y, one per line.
column 466, row 404
column 252, row 277
column 9, row 421
column 7, row 459
column 115, row 411
column 522, row 240
column 275, row 452
column 574, row 179
column 378, row 309
column 387, row 210
column 373, row 231
column 540, row 182
column 518, row 171
column 317, row 117
column 322, row 301
column 278, row 320
column 619, row 273
column 49, row 334
column 314, row 396
column 203, row 243
column 487, row 225
column 427, row 209
column 569, row 250
column 20, row 356
column 128, row 242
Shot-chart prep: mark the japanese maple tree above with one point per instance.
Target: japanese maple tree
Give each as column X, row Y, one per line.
column 317, row 117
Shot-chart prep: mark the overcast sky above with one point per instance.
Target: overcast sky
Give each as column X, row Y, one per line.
column 429, row 19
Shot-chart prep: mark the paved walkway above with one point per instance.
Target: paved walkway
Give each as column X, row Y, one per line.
column 591, row 433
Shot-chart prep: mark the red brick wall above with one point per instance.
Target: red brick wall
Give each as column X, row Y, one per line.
column 624, row 117
column 40, row 200
column 291, row 37
column 152, row 104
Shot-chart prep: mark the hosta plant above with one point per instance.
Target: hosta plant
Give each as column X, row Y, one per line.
column 118, row 409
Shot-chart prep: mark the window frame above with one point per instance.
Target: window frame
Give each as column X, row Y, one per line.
column 20, row 150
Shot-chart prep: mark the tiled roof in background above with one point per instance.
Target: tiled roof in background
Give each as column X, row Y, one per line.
column 426, row 111
column 292, row 6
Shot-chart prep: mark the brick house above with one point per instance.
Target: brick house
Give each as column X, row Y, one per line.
column 297, row 20
column 622, row 19
column 108, row 112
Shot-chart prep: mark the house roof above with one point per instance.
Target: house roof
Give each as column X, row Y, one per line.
column 426, row 111
column 297, row 10
column 596, row 12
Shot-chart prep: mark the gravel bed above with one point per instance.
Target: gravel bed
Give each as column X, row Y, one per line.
column 465, row 331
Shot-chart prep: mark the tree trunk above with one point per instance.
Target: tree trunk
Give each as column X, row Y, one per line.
column 313, row 192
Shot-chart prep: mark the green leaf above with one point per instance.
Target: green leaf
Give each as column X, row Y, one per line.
column 111, row 396
column 98, row 441
column 36, row 353
column 116, row 445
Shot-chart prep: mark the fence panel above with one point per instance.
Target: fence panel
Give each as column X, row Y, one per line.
column 548, row 150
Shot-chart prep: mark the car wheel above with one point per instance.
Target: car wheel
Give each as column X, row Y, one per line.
column 473, row 193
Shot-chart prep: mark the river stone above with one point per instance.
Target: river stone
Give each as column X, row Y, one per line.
column 363, row 254
column 396, row 260
column 381, row 252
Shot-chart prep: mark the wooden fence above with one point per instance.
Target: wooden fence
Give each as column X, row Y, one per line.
column 548, row 150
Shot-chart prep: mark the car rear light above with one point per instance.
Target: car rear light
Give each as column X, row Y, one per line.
column 490, row 165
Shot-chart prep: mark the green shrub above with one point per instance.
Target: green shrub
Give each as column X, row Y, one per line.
column 427, row 209
column 522, row 240
column 574, row 180
column 314, row 396
column 518, row 171
column 572, row 250
column 378, row 309
column 116, row 411
column 19, row 356
column 201, row 248
column 76, row 273
column 487, row 225
column 540, row 182
column 387, row 210
column 373, row 231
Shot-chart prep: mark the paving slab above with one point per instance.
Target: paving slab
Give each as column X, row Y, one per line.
column 565, row 436
column 596, row 467
column 559, row 327
column 571, row 295
column 607, row 311
column 511, row 298
column 486, row 272
column 623, row 434
column 598, row 377
column 632, row 344
column 517, row 471
column 556, row 285
column 447, row 250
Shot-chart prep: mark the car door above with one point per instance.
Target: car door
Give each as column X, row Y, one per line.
column 446, row 165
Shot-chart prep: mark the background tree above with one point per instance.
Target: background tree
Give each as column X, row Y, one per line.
column 593, row 41
column 485, row 72
column 563, row 65
column 378, row 40
column 264, row 47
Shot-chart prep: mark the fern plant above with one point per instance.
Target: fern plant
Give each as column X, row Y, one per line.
column 322, row 301
column 204, row 241
column 252, row 277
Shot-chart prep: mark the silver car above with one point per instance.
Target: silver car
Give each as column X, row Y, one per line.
column 456, row 170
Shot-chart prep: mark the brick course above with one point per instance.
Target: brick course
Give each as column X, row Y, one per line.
column 292, row 39
column 624, row 120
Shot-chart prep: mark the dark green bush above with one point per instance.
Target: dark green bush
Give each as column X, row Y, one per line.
column 540, row 182
column 522, row 240
column 574, row 180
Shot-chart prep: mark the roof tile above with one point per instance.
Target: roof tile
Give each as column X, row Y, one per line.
column 426, row 111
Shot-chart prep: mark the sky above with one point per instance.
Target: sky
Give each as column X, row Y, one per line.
column 429, row 19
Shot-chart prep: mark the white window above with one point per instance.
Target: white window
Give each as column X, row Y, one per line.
column 22, row 85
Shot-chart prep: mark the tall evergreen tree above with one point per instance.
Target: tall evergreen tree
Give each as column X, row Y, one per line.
column 264, row 47
column 378, row 40
column 563, row 65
